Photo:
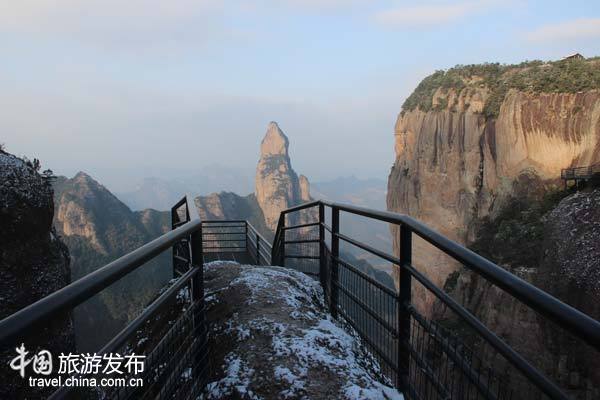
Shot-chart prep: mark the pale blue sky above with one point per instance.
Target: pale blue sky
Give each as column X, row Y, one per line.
column 129, row 89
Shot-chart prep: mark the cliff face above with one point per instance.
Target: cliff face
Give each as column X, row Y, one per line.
column 455, row 165
column 564, row 260
column 33, row 263
column 98, row 228
column 479, row 151
column 277, row 187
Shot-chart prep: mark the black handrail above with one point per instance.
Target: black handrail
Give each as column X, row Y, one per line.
column 91, row 284
column 567, row 317
column 576, row 322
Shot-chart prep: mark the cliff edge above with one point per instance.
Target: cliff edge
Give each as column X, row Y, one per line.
column 33, row 263
column 471, row 137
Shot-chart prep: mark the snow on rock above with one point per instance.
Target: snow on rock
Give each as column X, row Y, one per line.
column 573, row 241
column 272, row 338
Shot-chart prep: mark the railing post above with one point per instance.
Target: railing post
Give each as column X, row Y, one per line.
column 335, row 253
column 257, row 249
column 404, row 300
column 276, row 249
column 174, row 220
column 246, row 235
column 322, row 260
column 197, row 300
column 281, row 245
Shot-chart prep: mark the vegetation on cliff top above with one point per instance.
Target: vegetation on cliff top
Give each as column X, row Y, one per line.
column 564, row 76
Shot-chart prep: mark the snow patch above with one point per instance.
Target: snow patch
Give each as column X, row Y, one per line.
column 295, row 339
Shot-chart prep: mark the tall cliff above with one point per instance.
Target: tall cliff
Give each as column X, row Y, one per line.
column 470, row 137
column 479, row 150
column 98, row 228
column 277, row 187
column 33, row 263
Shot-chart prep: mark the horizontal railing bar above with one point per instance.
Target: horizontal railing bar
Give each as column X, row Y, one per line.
column 302, row 257
column 504, row 349
column 182, row 259
column 365, row 337
column 223, row 240
column 264, row 253
column 301, row 207
column 224, row 247
column 451, row 352
column 204, row 235
column 91, row 284
column 426, row 369
column 178, row 224
column 564, row 315
column 302, row 241
column 368, row 309
column 286, row 228
column 219, row 229
column 262, row 238
column 429, row 373
column 327, row 227
column 213, row 251
column 121, row 338
column 233, row 229
column 225, row 221
column 366, row 277
column 178, row 325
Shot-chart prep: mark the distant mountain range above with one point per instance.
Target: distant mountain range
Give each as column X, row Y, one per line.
column 162, row 193
column 370, row 193
column 98, row 228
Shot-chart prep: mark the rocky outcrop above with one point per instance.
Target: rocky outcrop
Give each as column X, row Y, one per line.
column 98, row 228
column 273, row 338
column 277, row 187
column 455, row 165
column 33, row 263
column 226, row 205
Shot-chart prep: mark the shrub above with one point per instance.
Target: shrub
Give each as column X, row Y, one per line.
column 565, row 76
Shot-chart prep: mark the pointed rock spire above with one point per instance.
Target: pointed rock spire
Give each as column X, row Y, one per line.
column 275, row 142
column 277, row 184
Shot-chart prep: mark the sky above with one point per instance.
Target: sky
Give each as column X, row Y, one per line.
column 130, row 89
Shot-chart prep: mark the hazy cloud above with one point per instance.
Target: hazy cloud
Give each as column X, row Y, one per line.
column 114, row 23
column 429, row 14
column 583, row 28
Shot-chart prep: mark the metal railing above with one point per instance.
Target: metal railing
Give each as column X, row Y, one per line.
column 417, row 354
column 235, row 240
column 580, row 172
column 423, row 359
column 176, row 360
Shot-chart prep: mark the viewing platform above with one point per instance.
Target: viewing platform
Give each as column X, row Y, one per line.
column 580, row 174
column 410, row 353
